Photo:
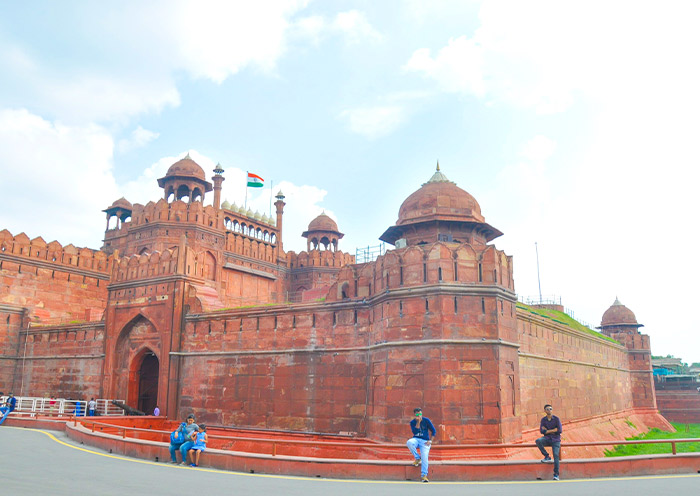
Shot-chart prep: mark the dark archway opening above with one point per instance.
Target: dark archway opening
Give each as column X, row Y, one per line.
column 148, row 383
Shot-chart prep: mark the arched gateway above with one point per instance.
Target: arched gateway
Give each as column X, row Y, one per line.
column 148, row 381
column 137, row 364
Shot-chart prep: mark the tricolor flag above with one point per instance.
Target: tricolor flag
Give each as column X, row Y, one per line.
column 255, row 181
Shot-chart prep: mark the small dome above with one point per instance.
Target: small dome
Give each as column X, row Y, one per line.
column 439, row 198
column 226, row 205
column 323, row 223
column 122, row 203
column 186, row 167
column 618, row 314
column 257, row 215
column 249, row 213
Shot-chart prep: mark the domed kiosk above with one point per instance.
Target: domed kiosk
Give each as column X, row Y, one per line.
column 440, row 211
column 185, row 179
column 121, row 209
column 322, row 231
column 619, row 318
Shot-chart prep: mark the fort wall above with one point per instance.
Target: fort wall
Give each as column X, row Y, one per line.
column 61, row 361
column 54, row 282
column 580, row 374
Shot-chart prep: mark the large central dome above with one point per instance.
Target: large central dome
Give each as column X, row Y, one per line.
column 440, row 211
column 439, row 199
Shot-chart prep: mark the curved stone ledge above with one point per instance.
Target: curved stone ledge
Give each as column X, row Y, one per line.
column 445, row 470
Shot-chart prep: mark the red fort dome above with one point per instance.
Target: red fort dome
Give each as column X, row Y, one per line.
column 439, row 199
column 440, row 211
column 185, row 179
column 323, row 223
column 186, row 167
column 322, row 232
column 619, row 318
column 618, row 314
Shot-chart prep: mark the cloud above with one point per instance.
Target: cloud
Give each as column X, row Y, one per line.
column 539, row 149
column 374, row 122
column 543, row 55
column 67, row 169
column 351, row 25
column 355, row 26
column 140, row 137
column 458, row 67
column 208, row 39
column 218, row 39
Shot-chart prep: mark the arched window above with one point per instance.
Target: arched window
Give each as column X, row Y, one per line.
column 183, row 193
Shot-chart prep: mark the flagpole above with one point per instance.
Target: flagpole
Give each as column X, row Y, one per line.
column 245, row 205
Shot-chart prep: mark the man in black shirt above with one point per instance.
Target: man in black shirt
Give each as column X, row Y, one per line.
column 550, row 426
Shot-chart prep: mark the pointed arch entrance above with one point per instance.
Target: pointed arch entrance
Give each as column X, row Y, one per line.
column 137, row 365
column 147, row 374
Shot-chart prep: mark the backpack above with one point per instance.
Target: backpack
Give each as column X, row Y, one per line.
column 178, row 435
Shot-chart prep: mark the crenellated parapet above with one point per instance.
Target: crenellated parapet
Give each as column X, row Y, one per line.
column 148, row 265
column 38, row 252
column 426, row 264
column 317, row 258
column 313, row 273
column 162, row 211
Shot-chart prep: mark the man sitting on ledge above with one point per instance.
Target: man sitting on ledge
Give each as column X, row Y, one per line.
column 9, row 407
column 550, row 426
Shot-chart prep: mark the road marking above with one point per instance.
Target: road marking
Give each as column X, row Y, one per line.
column 354, row 481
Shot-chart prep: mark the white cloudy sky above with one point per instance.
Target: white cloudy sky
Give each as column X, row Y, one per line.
column 575, row 125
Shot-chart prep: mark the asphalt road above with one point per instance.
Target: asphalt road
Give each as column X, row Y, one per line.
column 46, row 462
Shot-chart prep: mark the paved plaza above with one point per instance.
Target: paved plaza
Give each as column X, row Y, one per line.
column 48, row 462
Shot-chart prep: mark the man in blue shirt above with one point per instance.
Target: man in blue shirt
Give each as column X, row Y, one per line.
column 422, row 429
column 10, row 404
column 550, row 426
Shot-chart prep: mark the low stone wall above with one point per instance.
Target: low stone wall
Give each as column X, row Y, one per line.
column 679, row 406
column 492, row 470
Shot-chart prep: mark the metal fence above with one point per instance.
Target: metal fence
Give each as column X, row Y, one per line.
column 62, row 406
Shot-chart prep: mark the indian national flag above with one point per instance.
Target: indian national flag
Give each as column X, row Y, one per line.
column 255, row 181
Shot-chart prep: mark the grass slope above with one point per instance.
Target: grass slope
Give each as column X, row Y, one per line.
column 693, row 432
column 562, row 318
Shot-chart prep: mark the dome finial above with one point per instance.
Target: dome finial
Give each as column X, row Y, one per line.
column 438, row 177
column 188, row 155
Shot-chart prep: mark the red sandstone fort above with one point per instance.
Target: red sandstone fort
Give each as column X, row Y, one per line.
column 199, row 309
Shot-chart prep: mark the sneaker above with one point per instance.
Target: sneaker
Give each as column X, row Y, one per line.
column 556, row 477
column 424, row 479
column 173, row 462
column 546, row 459
column 192, row 465
column 416, row 462
column 183, row 463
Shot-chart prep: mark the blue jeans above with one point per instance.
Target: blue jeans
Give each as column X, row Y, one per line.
column 416, row 442
column 173, row 449
column 556, row 447
column 186, row 446
column 182, row 447
column 4, row 410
